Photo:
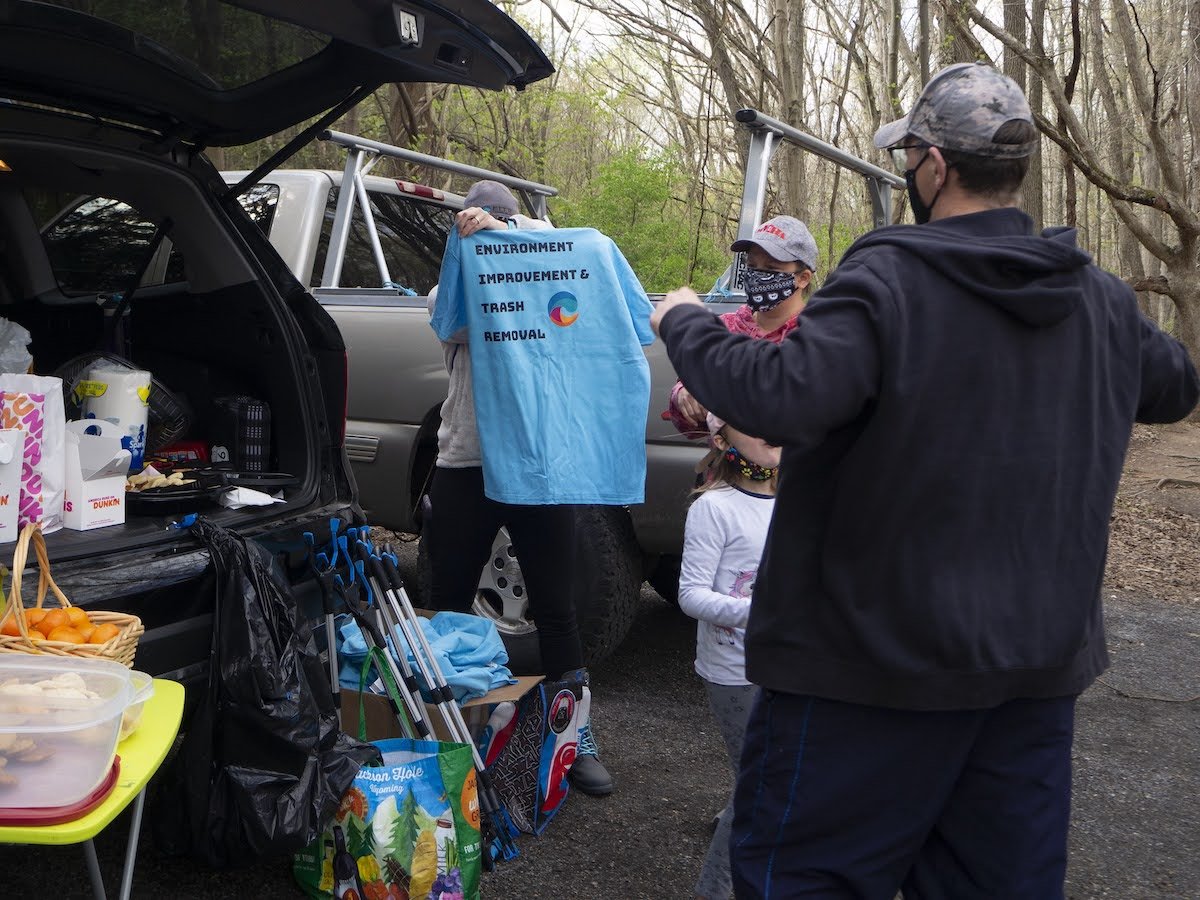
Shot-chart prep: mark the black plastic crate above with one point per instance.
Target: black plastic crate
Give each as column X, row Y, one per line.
column 243, row 426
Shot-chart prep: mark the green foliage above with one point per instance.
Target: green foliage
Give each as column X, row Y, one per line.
column 828, row 256
column 635, row 201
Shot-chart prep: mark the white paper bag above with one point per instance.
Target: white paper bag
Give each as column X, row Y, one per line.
column 12, row 448
column 95, row 479
column 34, row 404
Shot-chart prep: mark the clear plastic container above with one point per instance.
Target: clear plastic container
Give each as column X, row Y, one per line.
column 59, row 722
column 143, row 689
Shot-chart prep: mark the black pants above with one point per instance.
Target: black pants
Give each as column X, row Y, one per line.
column 836, row 800
column 459, row 540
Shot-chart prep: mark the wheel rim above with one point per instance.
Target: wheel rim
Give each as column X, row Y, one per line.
column 502, row 596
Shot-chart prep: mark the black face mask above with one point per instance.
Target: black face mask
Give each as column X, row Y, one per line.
column 766, row 289
column 921, row 210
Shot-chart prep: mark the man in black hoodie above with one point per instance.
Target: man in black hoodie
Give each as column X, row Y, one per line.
column 954, row 407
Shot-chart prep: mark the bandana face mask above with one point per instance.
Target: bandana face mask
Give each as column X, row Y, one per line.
column 765, row 289
column 751, row 470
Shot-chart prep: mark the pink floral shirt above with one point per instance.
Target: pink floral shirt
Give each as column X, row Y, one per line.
column 740, row 321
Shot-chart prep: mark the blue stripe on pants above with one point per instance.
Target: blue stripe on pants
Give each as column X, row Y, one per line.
column 840, row 800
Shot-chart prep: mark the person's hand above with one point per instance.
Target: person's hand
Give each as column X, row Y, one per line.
column 677, row 297
column 690, row 407
column 473, row 219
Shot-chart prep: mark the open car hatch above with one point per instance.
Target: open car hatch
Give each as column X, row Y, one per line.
column 234, row 71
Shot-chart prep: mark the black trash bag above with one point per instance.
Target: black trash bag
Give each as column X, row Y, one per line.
column 264, row 762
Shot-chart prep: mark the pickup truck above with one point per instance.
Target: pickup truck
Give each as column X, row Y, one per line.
column 370, row 255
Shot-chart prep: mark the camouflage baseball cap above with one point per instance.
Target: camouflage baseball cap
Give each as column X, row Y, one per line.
column 961, row 108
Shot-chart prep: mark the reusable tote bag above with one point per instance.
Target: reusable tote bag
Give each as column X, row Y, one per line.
column 529, row 748
column 34, row 404
column 405, row 830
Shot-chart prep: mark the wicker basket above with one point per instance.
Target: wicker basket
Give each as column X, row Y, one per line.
column 118, row 649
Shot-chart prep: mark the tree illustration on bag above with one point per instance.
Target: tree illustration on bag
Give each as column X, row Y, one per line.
column 401, row 840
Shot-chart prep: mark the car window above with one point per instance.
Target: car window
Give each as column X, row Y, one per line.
column 93, row 244
column 412, row 233
column 224, row 47
column 261, row 202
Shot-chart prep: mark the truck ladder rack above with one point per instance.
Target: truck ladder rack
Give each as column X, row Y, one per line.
column 765, row 133
column 361, row 155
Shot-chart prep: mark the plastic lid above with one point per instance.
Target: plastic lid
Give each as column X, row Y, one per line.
column 23, row 711
column 15, row 816
column 142, row 686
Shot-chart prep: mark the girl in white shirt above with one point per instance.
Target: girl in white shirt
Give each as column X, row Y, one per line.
column 723, row 542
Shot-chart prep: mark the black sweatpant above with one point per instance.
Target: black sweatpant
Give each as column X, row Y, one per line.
column 459, row 539
column 838, row 800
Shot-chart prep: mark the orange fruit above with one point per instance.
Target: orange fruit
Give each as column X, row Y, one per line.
column 77, row 616
column 10, row 627
column 86, row 630
column 33, row 616
column 55, row 618
column 104, row 633
column 66, row 634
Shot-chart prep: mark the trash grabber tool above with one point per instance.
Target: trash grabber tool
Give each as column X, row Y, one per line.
column 409, row 718
column 443, row 698
column 322, row 571
column 397, row 660
column 389, row 625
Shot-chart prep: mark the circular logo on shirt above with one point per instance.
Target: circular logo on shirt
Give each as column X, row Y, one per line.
column 564, row 308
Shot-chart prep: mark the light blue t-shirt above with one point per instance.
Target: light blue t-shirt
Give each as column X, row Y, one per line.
column 556, row 321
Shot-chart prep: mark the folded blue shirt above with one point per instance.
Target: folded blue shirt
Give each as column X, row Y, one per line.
column 467, row 649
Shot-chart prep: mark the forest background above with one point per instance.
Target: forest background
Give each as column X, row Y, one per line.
column 636, row 127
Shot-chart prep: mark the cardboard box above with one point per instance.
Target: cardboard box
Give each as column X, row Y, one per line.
column 381, row 722
column 96, row 467
column 12, row 452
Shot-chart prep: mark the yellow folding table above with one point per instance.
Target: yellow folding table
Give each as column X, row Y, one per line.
column 141, row 754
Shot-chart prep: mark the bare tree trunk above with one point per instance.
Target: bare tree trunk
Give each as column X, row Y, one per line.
column 956, row 42
column 1016, row 24
column 789, row 35
column 1185, row 291
column 923, row 31
column 893, row 65
column 1034, row 190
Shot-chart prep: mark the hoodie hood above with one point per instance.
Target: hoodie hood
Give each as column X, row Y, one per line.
column 995, row 256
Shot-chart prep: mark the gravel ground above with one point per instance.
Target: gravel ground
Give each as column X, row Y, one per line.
column 1135, row 823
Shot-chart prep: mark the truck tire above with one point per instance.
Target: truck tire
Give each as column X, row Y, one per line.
column 607, row 582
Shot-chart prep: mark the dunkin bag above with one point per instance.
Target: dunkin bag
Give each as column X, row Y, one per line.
column 34, row 404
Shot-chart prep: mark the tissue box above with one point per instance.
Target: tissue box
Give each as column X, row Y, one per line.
column 95, row 475
column 12, row 451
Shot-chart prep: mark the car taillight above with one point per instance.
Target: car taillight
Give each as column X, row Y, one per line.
column 420, row 190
